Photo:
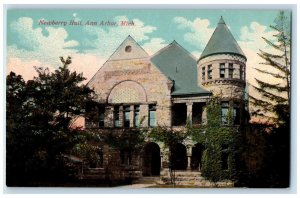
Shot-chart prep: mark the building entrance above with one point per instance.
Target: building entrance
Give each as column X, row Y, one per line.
column 151, row 159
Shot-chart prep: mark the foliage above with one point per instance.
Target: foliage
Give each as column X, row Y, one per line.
column 275, row 97
column 125, row 139
column 167, row 135
column 39, row 113
column 88, row 146
column 218, row 139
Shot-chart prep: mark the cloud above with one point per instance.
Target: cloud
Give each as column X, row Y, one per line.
column 43, row 46
column 87, row 64
column 251, row 42
column 251, row 37
column 198, row 33
column 24, row 68
column 33, row 44
column 33, row 48
column 154, row 45
column 196, row 53
column 107, row 39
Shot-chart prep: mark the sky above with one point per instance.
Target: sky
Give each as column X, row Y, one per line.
column 31, row 42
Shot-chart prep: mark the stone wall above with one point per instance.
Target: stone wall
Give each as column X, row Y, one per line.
column 225, row 87
column 147, row 84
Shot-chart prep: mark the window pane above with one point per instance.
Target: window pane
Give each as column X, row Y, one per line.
column 241, row 72
column 126, row 116
column 230, row 74
column 101, row 120
column 116, row 116
column 236, row 115
column 209, row 72
column 222, row 70
column 136, row 119
column 224, row 115
column 203, row 73
column 225, row 104
column 230, row 70
column 136, row 116
column 222, row 73
column 209, row 75
column 126, row 119
column 126, row 108
column 101, row 116
column 152, row 118
column 152, row 115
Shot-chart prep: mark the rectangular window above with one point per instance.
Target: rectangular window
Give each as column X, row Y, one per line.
column 230, row 70
column 136, row 116
column 116, row 116
column 101, row 116
column 152, row 115
column 209, row 72
column 236, row 114
column 100, row 158
column 241, row 72
column 126, row 156
column 179, row 114
column 203, row 73
column 197, row 113
column 225, row 156
column 126, row 111
column 222, row 70
column 225, row 107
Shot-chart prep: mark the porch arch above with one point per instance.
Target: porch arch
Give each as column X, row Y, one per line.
column 151, row 159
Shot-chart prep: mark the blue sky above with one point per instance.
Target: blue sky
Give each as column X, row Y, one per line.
column 30, row 44
column 163, row 20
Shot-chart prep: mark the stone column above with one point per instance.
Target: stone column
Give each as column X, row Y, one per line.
column 121, row 116
column 131, row 116
column 144, row 115
column 189, row 112
column 109, row 116
column 161, row 161
column 189, row 157
column 204, row 115
column 165, row 116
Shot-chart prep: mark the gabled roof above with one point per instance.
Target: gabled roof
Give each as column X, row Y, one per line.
column 129, row 49
column 222, row 41
column 180, row 66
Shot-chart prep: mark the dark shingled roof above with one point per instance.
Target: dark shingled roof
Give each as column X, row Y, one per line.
column 222, row 41
column 180, row 66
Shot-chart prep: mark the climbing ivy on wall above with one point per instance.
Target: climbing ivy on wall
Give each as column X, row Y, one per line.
column 167, row 135
column 219, row 160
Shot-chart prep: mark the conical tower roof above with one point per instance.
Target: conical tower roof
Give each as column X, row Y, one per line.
column 222, row 42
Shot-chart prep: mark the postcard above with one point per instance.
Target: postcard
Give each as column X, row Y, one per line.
column 148, row 98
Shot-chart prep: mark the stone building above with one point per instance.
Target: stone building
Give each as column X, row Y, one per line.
column 169, row 88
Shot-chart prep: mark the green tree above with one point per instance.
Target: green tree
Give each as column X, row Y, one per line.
column 39, row 114
column 274, row 101
column 275, row 97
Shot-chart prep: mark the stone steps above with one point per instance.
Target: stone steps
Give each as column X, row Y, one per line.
column 193, row 178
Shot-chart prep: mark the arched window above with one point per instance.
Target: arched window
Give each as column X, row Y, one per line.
column 127, row 92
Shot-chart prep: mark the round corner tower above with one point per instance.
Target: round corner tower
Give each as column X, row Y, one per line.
column 222, row 65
